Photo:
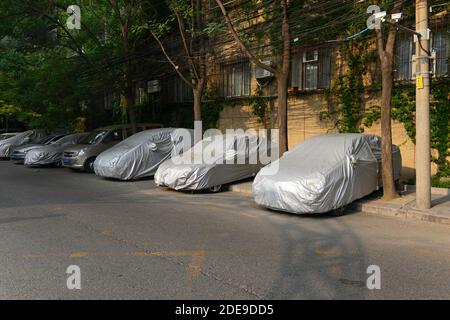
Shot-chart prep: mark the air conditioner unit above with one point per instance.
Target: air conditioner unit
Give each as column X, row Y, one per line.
column 153, row 86
column 261, row 73
column 311, row 56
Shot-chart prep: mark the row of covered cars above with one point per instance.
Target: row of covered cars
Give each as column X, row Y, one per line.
column 322, row 174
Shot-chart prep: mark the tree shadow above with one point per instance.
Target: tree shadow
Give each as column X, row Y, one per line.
column 324, row 259
column 19, row 219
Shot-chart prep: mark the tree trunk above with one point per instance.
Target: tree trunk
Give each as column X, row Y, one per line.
column 282, row 101
column 130, row 109
column 387, row 172
column 282, row 80
column 386, row 53
column 198, row 92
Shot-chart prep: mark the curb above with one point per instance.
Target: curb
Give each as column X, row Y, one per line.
column 439, row 191
column 411, row 213
column 377, row 207
column 244, row 187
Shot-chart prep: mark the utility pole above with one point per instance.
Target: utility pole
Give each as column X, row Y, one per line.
column 423, row 165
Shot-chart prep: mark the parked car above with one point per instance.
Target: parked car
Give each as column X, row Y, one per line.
column 51, row 154
column 230, row 162
column 8, row 135
column 19, row 153
column 141, row 154
column 8, row 145
column 82, row 155
column 323, row 173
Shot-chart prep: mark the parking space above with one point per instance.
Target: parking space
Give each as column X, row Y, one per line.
column 134, row 240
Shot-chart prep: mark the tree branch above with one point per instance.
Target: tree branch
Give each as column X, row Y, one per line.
column 177, row 69
column 182, row 29
column 285, row 34
column 247, row 51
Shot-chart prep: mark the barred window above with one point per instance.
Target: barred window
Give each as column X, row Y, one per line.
column 142, row 96
column 405, row 49
column 440, row 44
column 176, row 90
column 236, row 79
column 311, row 69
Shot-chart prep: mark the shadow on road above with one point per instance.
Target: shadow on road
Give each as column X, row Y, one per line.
column 19, row 219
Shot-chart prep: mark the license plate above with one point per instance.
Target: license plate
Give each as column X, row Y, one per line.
column 66, row 161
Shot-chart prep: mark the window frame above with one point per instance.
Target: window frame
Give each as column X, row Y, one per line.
column 231, row 85
column 437, row 63
column 309, row 74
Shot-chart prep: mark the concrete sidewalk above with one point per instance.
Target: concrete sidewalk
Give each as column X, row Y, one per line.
column 402, row 207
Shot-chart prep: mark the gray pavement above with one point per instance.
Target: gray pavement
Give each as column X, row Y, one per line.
column 135, row 241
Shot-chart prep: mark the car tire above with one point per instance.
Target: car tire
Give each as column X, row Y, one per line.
column 215, row 189
column 339, row 211
column 89, row 165
column 399, row 185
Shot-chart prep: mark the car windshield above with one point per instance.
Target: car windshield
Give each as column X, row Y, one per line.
column 63, row 139
column 5, row 136
column 56, row 139
column 93, row 137
column 45, row 140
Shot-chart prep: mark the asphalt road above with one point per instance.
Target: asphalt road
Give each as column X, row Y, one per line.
column 132, row 240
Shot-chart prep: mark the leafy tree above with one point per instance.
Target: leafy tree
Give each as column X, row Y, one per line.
column 280, row 71
column 188, row 19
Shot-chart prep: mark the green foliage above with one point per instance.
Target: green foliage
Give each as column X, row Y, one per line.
column 373, row 114
column 349, row 91
column 404, row 110
column 258, row 104
column 7, row 110
column 440, row 126
column 120, row 114
column 213, row 27
column 43, row 72
column 440, row 182
column 211, row 113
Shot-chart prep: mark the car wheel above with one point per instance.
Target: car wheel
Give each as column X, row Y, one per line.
column 89, row 165
column 339, row 211
column 59, row 164
column 215, row 188
column 399, row 185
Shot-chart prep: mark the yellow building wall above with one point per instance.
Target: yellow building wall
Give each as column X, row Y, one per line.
column 304, row 121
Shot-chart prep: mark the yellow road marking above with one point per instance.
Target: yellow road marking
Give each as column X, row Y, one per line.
column 325, row 251
column 195, row 267
column 81, row 254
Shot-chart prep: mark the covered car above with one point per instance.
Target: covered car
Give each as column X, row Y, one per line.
column 82, row 156
column 51, row 153
column 323, row 173
column 19, row 152
column 8, row 135
column 215, row 161
column 141, row 154
column 31, row 136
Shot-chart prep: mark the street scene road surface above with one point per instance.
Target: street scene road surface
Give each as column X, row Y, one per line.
column 133, row 240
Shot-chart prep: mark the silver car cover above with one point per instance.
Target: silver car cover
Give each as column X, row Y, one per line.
column 141, row 154
column 323, row 173
column 229, row 163
column 30, row 136
column 51, row 153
